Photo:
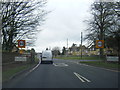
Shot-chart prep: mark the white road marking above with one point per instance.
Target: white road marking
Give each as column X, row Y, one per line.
column 83, row 79
column 54, row 64
column 60, row 64
column 32, row 69
column 79, row 77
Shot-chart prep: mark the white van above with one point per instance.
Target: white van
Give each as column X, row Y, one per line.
column 47, row 56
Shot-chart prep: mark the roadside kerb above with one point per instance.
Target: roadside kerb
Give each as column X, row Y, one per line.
column 32, row 69
column 113, row 70
column 78, row 62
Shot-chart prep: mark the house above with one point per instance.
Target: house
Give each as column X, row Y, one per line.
column 76, row 50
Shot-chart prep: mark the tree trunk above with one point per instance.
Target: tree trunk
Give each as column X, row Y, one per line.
column 101, row 38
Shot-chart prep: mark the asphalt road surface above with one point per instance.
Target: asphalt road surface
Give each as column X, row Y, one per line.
column 65, row 74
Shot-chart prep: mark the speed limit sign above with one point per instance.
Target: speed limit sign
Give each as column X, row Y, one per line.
column 99, row 43
column 21, row 43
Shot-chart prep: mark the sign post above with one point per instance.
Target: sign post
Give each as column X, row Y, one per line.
column 99, row 44
column 21, row 44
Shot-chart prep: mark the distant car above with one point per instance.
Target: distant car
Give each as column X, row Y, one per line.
column 47, row 56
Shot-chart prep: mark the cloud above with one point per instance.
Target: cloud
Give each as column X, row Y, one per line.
column 65, row 21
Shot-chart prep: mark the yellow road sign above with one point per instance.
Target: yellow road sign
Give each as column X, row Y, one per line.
column 21, row 51
column 99, row 43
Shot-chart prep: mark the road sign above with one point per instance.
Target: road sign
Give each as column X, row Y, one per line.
column 112, row 58
column 21, row 43
column 99, row 43
column 21, row 58
column 21, row 51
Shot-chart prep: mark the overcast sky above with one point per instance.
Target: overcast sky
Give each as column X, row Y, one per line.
column 65, row 21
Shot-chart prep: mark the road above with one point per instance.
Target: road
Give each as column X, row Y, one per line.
column 66, row 74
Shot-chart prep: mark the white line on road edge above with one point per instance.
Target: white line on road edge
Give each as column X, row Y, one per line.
column 33, row 69
column 81, row 77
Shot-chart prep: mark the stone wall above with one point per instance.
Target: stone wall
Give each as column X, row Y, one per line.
column 8, row 57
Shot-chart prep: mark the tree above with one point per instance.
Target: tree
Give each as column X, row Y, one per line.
column 63, row 51
column 101, row 22
column 32, row 55
column 110, row 44
column 114, row 30
column 56, row 51
column 20, row 21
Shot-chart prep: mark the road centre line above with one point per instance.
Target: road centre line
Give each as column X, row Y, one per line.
column 83, row 79
column 79, row 77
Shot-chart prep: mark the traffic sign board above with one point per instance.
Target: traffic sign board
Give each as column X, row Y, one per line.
column 21, row 51
column 99, row 43
column 21, row 43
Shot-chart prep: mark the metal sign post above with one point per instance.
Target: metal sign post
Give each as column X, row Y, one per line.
column 99, row 44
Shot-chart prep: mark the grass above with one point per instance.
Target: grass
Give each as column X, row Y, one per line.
column 36, row 60
column 103, row 64
column 78, row 58
column 11, row 69
column 6, row 74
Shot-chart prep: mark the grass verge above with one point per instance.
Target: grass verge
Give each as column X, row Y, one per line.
column 78, row 58
column 8, row 73
column 108, row 65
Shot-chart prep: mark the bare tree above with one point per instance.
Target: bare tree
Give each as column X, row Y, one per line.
column 101, row 22
column 56, row 51
column 20, row 21
column 113, row 34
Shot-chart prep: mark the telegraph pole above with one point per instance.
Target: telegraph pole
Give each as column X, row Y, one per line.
column 81, row 45
column 67, row 46
column 67, row 43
